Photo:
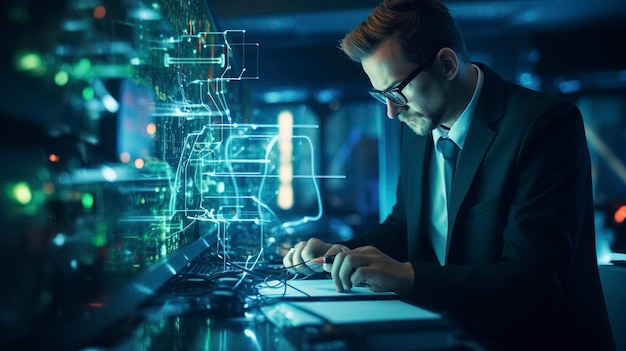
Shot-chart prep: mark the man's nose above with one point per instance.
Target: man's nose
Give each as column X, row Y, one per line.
column 394, row 110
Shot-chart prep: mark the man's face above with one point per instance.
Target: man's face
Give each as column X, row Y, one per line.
column 425, row 108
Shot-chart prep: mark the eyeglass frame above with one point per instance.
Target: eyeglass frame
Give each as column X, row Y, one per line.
column 382, row 95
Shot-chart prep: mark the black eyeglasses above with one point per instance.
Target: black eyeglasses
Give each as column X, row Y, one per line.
column 394, row 92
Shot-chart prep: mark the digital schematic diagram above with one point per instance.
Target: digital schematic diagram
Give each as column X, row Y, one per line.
column 192, row 114
column 227, row 169
column 190, row 159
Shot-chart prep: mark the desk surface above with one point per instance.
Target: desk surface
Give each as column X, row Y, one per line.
column 225, row 312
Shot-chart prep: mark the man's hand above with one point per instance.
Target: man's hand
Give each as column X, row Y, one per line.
column 368, row 266
column 305, row 251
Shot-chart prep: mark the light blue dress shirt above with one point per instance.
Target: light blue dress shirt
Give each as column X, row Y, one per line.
column 438, row 226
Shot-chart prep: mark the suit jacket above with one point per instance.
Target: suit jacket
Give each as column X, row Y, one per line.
column 522, row 270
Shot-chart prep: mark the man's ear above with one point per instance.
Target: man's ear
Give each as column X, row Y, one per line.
column 449, row 61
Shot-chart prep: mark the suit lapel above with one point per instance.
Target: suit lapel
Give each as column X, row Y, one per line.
column 480, row 135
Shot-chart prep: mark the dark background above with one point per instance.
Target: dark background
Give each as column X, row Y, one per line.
column 298, row 39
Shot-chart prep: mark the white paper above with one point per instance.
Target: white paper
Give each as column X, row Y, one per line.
column 312, row 288
column 370, row 311
column 345, row 312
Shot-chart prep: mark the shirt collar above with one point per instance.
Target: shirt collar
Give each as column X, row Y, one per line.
column 459, row 129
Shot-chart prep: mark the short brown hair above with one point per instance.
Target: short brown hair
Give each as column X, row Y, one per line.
column 420, row 26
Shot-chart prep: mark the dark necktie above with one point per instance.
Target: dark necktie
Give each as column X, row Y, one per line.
column 450, row 152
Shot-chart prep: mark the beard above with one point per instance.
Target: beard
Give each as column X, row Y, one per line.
column 422, row 124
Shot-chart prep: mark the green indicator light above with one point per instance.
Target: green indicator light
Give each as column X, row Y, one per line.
column 21, row 193
column 82, row 67
column 88, row 93
column 61, row 78
column 29, row 61
column 99, row 240
column 87, row 200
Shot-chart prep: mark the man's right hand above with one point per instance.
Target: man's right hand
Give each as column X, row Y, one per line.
column 305, row 251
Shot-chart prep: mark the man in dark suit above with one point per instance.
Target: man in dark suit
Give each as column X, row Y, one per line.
column 508, row 248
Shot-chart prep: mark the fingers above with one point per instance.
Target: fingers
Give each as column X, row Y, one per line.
column 364, row 266
column 297, row 260
column 366, row 276
column 347, row 270
column 342, row 270
column 333, row 251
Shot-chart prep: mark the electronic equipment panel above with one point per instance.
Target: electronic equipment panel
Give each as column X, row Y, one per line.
column 136, row 149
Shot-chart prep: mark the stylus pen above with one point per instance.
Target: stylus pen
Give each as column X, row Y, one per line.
column 324, row 259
